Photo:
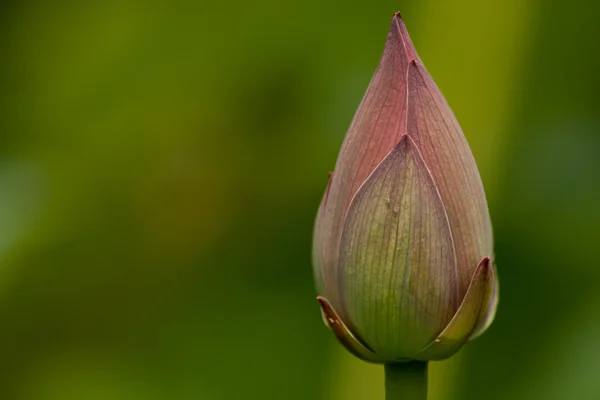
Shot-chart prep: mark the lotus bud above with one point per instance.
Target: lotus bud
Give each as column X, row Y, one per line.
column 403, row 249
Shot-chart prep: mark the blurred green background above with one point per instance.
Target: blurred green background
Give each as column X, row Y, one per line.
column 161, row 165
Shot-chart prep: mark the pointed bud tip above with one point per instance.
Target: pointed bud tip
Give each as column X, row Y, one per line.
column 399, row 35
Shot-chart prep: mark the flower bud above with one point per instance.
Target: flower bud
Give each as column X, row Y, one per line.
column 402, row 251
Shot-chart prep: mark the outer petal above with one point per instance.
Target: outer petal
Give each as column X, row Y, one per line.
column 489, row 312
column 457, row 331
column 400, row 286
column 439, row 138
column 377, row 127
column 317, row 248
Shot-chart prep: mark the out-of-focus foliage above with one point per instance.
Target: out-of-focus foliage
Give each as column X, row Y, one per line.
column 161, row 165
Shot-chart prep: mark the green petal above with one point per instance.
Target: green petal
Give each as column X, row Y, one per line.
column 456, row 333
column 399, row 284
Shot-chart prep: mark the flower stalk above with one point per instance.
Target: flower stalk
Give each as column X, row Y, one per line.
column 406, row 381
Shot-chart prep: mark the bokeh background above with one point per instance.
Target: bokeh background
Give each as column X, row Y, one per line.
column 161, row 164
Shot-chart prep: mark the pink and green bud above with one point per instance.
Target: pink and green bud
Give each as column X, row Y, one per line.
column 403, row 246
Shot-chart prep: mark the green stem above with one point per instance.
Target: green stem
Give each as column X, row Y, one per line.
column 406, row 381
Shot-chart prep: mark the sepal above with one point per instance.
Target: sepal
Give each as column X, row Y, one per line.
column 458, row 330
column 489, row 312
column 344, row 335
